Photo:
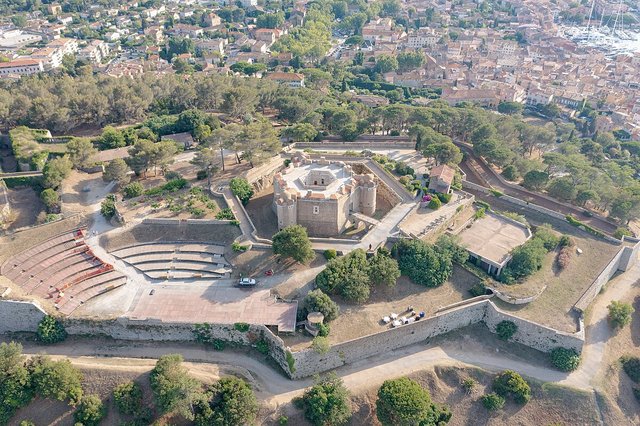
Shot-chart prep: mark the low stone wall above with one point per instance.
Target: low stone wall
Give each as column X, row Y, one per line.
column 308, row 362
column 175, row 222
column 626, row 258
column 356, row 145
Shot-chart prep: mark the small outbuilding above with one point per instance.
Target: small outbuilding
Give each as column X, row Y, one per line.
column 441, row 178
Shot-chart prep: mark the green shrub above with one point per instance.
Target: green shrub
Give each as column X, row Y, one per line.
column 320, row 344
column 291, row 362
column 565, row 359
column 50, row 330
column 201, row 174
column 330, row 254
column 435, row 203
column 218, row 344
column 317, row 301
column 444, row 198
column 492, row 401
column 404, row 401
column 238, row 248
column 171, row 175
column 242, row 189
column 132, row 190
column 324, row 330
column 506, row 329
column 483, row 204
column 545, row 234
column 622, row 232
column 283, row 420
column 128, row 397
column 327, row 402
column 480, row 213
column 631, row 366
column 90, row 411
column 469, row 385
column 496, row 193
column 263, row 347
column 575, row 222
column 566, row 241
column 511, row 384
column 225, row 214
column 478, row 290
column 241, row 326
column 620, row 313
column 636, row 393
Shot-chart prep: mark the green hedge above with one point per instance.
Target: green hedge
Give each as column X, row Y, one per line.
column 575, row 222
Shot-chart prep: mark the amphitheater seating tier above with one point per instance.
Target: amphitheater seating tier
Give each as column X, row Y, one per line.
column 64, row 269
column 176, row 260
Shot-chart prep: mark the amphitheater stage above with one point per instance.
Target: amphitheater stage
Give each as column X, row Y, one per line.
column 219, row 303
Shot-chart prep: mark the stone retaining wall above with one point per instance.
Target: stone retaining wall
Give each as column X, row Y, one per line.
column 19, row 316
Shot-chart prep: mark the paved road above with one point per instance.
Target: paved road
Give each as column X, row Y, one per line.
column 480, row 173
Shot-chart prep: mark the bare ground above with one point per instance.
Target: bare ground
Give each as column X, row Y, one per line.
column 25, row 207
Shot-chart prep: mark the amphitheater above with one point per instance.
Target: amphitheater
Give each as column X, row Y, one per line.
column 63, row 270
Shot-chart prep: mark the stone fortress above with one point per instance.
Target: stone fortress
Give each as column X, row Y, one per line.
column 322, row 196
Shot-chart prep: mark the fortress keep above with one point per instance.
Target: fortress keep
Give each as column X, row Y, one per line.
column 321, row 196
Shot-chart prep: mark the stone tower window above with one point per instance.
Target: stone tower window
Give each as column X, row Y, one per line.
column 316, row 209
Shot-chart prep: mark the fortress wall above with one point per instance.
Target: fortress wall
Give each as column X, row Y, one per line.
column 18, row 316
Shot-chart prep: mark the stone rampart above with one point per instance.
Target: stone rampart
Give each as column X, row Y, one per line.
column 18, row 316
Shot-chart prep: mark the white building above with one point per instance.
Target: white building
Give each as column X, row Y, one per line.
column 21, row 67
column 422, row 38
column 95, row 51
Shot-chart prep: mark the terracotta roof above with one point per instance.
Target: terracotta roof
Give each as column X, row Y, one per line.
column 19, row 63
column 286, row 76
column 443, row 172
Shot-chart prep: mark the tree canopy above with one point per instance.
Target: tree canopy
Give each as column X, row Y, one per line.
column 403, row 402
column 294, row 243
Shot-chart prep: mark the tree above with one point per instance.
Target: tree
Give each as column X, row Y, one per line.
column 444, row 153
column 55, row 379
column 141, row 156
column 383, row 270
column 525, row 260
column 81, row 152
column 50, row 330
column 15, row 384
column 511, row 384
column 300, row 132
column 565, row 359
column 133, row 190
column 510, row 172
column 318, row 301
column 117, row 171
column 108, row 206
column 535, row 180
column 206, row 159
column 51, row 200
column 327, row 402
column 270, row 20
column 128, row 397
column 293, row 242
column 173, row 389
column 55, row 171
column 90, row 411
column 408, row 61
column 562, row 188
column 111, row 138
column 492, row 401
column 620, row 313
column 403, row 402
column 178, row 46
column 385, row 64
column 424, row 263
column 357, row 287
column 510, row 108
column 242, row 189
column 228, row 402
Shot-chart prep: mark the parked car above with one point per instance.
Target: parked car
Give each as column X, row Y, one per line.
column 247, row 282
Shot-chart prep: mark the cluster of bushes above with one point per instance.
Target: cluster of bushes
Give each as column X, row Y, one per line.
column 565, row 359
column 527, row 259
column 565, row 255
column 225, row 214
column 172, row 185
column 631, row 366
column 293, row 242
column 506, row 329
column 50, row 330
column 575, row 222
column 622, row 232
column 202, row 334
column 429, row 264
column 238, row 248
column 353, row 275
column 21, row 380
column 507, row 384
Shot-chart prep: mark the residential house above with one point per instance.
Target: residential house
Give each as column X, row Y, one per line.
column 185, row 139
column 67, row 46
column 441, row 178
column 212, row 20
column 49, row 57
column 95, row 51
column 185, row 30
column 291, row 79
